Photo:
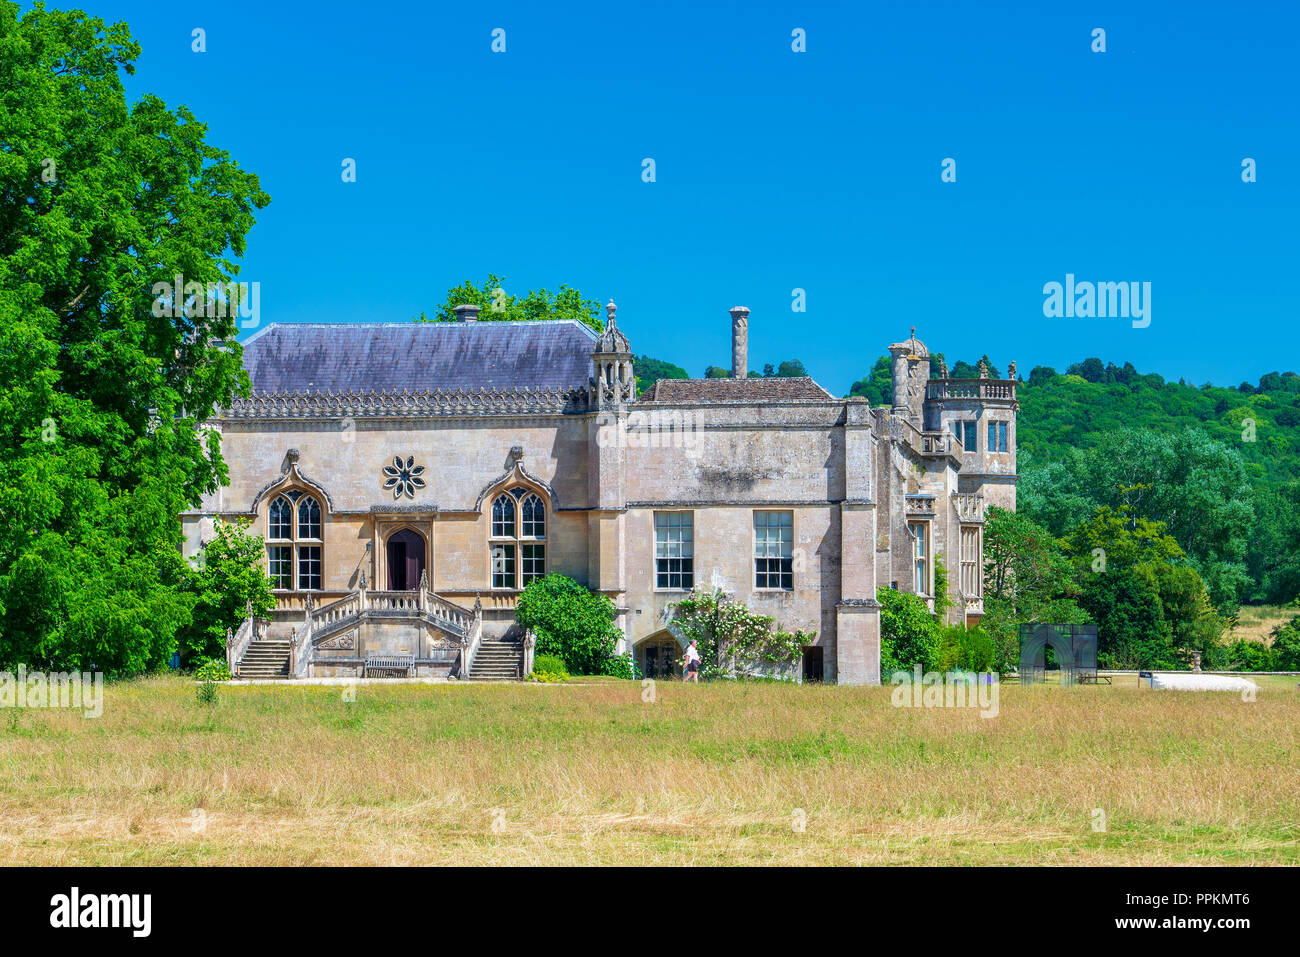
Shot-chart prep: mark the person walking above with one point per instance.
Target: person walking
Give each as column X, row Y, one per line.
column 692, row 672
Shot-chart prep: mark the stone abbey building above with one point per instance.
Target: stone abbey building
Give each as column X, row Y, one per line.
column 411, row 478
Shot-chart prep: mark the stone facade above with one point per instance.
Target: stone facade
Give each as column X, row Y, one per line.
column 796, row 502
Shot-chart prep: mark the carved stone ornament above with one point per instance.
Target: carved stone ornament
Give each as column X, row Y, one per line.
column 403, row 477
column 344, row 642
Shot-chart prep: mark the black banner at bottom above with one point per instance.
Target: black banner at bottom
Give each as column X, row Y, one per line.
column 332, row 906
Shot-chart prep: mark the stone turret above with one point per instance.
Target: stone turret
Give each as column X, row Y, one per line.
column 911, row 372
column 613, row 381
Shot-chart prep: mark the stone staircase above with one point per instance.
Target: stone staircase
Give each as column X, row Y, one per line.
column 497, row 660
column 268, row 658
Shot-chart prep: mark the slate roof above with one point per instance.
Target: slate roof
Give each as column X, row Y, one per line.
column 383, row 356
column 734, row 390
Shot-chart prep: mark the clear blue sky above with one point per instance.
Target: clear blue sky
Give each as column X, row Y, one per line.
column 775, row 169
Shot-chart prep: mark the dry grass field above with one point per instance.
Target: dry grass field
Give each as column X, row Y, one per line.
column 588, row 773
column 1256, row 622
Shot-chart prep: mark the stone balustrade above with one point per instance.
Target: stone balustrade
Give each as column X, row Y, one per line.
column 407, row 601
column 349, row 606
column 971, row 389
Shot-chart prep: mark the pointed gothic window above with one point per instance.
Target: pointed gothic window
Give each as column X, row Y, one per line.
column 281, row 519
column 294, row 555
column 534, row 518
column 503, row 517
column 308, row 518
column 517, row 541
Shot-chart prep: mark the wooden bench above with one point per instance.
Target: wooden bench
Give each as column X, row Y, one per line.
column 389, row 666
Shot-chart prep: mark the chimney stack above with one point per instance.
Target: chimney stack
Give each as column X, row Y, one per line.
column 739, row 342
column 468, row 312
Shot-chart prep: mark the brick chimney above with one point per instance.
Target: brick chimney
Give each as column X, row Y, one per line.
column 467, row 312
column 739, row 342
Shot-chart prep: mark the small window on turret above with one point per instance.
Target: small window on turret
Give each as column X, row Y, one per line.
column 965, row 432
column 997, row 436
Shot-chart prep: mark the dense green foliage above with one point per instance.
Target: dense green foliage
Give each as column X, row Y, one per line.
column 553, row 664
column 909, row 634
column 496, row 305
column 878, row 386
column 648, row 371
column 570, row 622
column 1028, row 579
column 966, row 649
column 621, row 666
column 1220, row 466
column 101, row 391
column 548, row 669
column 228, row 579
column 1127, row 574
column 212, row 669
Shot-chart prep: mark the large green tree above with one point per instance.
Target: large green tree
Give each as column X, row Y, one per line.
column 1273, row 553
column 1197, row 487
column 909, row 634
column 101, row 390
column 1151, row 605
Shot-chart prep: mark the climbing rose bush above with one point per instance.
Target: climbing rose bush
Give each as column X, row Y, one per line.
column 729, row 635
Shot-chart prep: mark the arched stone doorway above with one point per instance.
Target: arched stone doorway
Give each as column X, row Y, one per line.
column 658, row 655
column 405, row 560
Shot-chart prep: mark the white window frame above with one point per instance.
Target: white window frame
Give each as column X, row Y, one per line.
column 683, row 544
column 781, row 574
column 918, row 534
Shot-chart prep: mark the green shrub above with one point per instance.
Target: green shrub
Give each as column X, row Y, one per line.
column 213, row 669
column 1244, row 655
column 621, row 666
column 1286, row 646
column 1006, row 643
column 547, row 677
column 570, row 622
column 550, row 664
column 909, row 634
column 966, row 649
column 206, row 692
column 230, row 577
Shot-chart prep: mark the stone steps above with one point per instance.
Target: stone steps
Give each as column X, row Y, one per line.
column 497, row 661
column 265, row 659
